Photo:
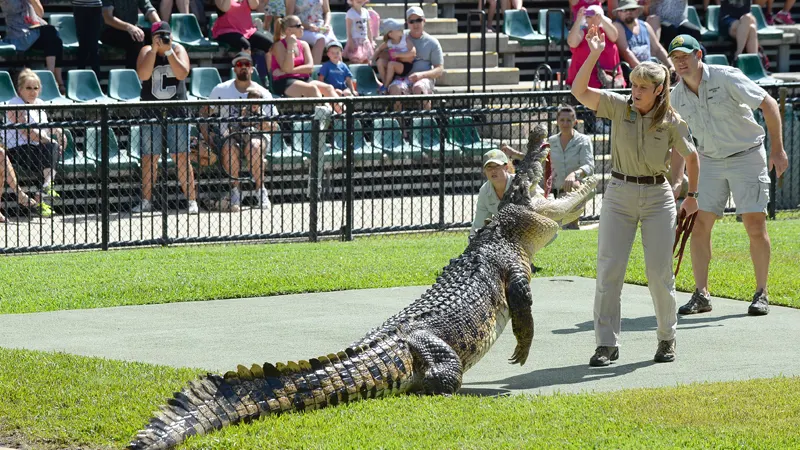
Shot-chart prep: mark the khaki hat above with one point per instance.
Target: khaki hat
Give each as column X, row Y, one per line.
column 495, row 156
column 628, row 4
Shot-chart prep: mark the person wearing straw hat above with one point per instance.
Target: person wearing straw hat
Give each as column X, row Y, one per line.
column 644, row 130
column 718, row 103
column 637, row 42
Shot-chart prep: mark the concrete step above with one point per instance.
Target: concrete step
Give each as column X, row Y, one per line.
column 458, row 42
column 441, row 26
column 524, row 86
column 458, row 60
column 396, row 11
column 494, row 76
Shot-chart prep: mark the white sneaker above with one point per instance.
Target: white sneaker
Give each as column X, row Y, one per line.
column 193, row 208
column 264, row 199
column 145, row 206
column 236, row 197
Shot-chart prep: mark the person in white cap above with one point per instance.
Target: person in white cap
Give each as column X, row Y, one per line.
column 428, row 64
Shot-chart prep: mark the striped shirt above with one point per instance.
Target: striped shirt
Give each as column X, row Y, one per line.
column 87, row 3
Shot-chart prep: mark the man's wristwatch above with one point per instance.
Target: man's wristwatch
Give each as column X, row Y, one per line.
column 693, row 194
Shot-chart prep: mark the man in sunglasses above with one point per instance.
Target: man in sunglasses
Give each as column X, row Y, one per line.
column 429, row 63
column 232, row 138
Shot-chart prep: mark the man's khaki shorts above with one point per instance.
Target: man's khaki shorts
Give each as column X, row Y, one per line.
column 744, row 175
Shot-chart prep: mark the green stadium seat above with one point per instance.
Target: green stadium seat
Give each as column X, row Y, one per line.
column 712, row 23
column 462, row 132
column 143, row 23
column 426, row 135
column 388, row 137
column 117, row 160
column 7, row 50
column 339, row 25
column 750, row 65
column 366, row 81
column 694, row 19
column 315, row 71
column 281, row 154
column 517, row 25
column 65, row 24
column 301, row 141
column 558, row 31
column 213, row 18
column 124, row 85
column 83, row 87
column 50, row 92
column 186, row 31
column 362, row 150
column 7, row 91
column 720, row 60
column 73, row 160
column 256, row 77
column 765, row 32
column 204, row 79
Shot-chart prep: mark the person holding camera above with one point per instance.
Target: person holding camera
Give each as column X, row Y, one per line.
column 163, row 67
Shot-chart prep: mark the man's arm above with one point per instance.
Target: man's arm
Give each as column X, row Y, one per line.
column 146, row 7
column 622, row 44
column 772, row 117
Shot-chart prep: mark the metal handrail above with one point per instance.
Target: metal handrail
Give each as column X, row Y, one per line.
column 561, row 44
column 470, row 15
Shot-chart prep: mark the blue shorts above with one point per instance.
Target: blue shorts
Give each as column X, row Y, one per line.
column 725, row 24
column 177, row 139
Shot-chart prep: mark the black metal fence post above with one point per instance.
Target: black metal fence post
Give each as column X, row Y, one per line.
column 164, row 192
column 482, row 15
column 314, row 181
column 349, row 166
column 105, row 207
column 440, row 110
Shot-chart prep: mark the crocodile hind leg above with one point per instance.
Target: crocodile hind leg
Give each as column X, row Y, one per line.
column 439, row 363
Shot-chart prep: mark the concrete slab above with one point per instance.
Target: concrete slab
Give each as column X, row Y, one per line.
column 724, row 344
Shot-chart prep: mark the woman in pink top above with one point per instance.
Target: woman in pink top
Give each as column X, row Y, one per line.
column 609, row 59
column 234, row 27
column 292, row 64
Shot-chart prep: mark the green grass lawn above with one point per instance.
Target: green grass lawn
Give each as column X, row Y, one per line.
column 161, row 275
column 50, row 400
column 63, row 401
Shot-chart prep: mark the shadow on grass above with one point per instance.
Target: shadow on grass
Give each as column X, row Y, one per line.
column 575, row 374
column 648, row 323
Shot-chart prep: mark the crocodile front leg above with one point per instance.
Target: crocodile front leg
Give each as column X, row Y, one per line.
column 438, row 362
column 520, row 300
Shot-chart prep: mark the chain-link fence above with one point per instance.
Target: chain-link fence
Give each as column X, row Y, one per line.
column 147, row 173
column 785, row 191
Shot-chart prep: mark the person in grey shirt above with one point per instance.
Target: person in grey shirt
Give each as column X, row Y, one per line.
column 718, row 102
column 428, row 64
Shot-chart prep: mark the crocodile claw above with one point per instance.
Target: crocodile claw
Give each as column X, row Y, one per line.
column 520, row 354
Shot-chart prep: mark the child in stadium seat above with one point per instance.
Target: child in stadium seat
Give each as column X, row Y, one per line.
column 360, row 42
column 336, row 73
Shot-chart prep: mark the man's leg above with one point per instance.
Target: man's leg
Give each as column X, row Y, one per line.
column 423, row 87
column 178, row 143
column 714, row 192
column 149, row 175
column 760, row 248
column 255, row 151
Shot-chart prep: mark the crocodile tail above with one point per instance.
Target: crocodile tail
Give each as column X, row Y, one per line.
column 530, row 171
column 382, row 368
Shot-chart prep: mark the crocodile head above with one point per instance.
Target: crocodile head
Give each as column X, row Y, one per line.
column 525, row 216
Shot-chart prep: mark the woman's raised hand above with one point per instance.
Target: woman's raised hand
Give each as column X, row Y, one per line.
column 596, row 41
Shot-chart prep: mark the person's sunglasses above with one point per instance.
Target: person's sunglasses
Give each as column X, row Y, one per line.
column 413, row 21
column 240, row 64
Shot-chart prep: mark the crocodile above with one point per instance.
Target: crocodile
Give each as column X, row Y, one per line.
column 425, row 348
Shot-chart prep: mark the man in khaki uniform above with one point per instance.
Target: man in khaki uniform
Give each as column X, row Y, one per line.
column 644, row 129
column 718, row 103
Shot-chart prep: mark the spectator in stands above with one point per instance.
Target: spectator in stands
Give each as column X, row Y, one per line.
column 571, row 155
column 784, row 16
column 507, row 5
column 428, row 64
column 495, row 167
column 607, row 72
column 88, row 16
column 26, row 30
column 235, row 28
column 196, row 7
column 360, row 44
column 736, row 21
column 35, row 149
column 121, row 31
column 669, row 18
column 637, row 42
column 576, row 5
column 274, row 9
column 8, row 175
column 395, row 54
column 336, row 73
column 315, row 16
column 254, row 142
column 292, row 64
column 163, row 67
